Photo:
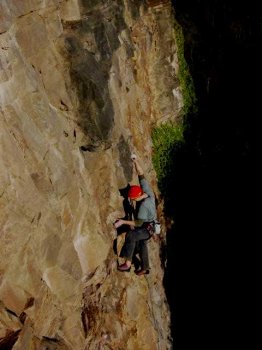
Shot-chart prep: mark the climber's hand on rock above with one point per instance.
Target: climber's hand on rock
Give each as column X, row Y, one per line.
column 118, row 223
column 133, row 157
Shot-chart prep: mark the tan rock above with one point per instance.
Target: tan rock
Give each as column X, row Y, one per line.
column 81, row 85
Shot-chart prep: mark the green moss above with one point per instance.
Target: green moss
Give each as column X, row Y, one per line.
column 166, row 138
column 184, row 77
column 169, row 137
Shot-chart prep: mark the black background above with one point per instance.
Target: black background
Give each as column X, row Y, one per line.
column 212, row 249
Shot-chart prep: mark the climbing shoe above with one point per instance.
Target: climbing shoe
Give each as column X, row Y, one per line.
column 124, row 267
column 142, row 272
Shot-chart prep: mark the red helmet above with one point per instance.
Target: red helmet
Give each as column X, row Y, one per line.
column 134, row 192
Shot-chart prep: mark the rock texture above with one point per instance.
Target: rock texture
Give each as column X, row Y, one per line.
column 81, row 85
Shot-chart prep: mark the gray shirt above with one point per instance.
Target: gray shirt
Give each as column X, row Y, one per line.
column 147, row 209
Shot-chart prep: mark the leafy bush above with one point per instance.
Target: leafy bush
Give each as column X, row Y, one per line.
column 166, row 138
column 169, row 137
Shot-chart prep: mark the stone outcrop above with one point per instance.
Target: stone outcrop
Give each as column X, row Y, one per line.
column 82, row 83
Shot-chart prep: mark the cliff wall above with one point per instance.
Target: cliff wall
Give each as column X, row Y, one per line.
column 82, row 83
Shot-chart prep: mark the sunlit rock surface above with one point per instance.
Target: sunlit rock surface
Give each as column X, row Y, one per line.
column 81, row 85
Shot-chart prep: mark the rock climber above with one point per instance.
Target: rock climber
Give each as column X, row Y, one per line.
column 141, row 227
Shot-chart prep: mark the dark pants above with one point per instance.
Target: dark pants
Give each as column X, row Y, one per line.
column 137, row 238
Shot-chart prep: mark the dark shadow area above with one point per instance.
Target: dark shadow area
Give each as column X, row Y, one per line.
column 9, row 340
column 210, row 278
column 128, row 209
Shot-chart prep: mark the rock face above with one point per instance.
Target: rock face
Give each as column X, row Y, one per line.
column 81, row 85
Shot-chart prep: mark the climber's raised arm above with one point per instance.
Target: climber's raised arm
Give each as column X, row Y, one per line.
column 137, row 166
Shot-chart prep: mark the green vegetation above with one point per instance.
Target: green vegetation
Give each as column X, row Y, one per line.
column 166, row 138
column 184, row 77
column 169, row 137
